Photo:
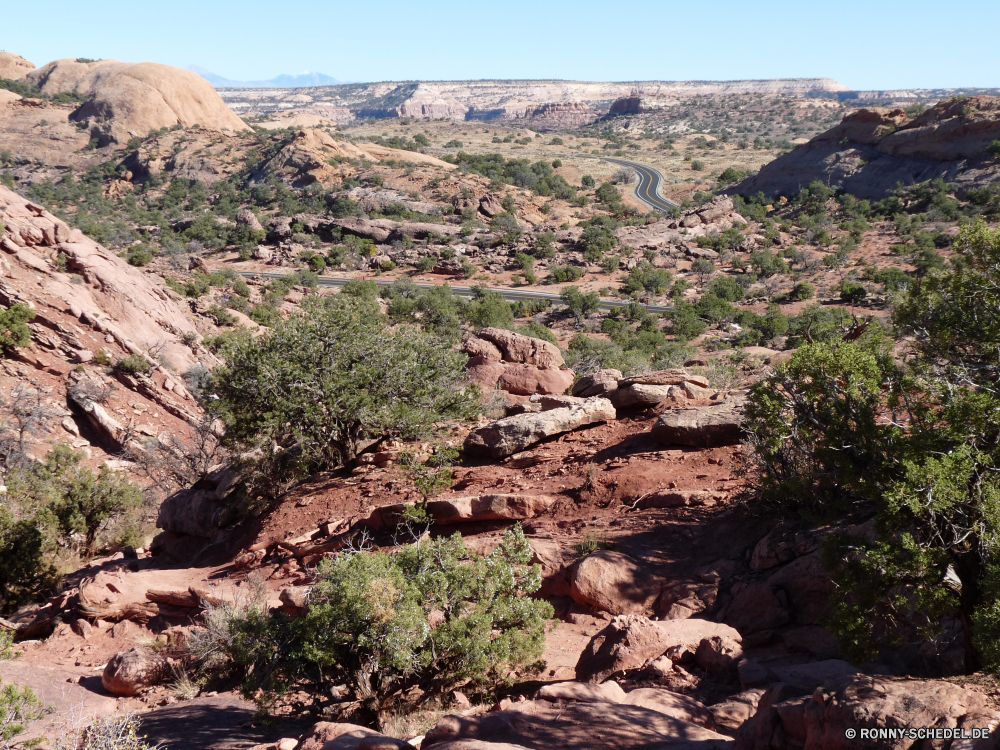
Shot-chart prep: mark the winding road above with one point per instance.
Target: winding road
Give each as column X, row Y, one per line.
column 648, row 189
column 511, row 295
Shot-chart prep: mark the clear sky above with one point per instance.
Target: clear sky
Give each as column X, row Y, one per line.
column 864, row 44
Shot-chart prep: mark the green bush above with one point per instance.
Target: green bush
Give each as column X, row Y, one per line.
column 14, row 330
column 562, row 274
column 578, row 303
column 726, row 288
column 994, row 149
column 140, row 255
column 803, row 291
column 587, row 181
column 488, row 309
column 306, row 395
column 370, row 625
column 853, row 292
column 134, row 364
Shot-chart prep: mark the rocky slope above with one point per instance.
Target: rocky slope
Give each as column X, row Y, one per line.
column 875, row 150
column 91, row 309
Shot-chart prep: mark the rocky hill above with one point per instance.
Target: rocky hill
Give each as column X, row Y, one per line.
column 873, row 151
column 125, row 100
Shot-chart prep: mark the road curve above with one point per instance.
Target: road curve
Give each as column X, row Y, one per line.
column 511, row 295
column 648, row 189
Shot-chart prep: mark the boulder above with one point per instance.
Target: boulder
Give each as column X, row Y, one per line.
column 484, row 372
column 247, row 218
column 526, row 380
column 555, row 576
column 513, row 434
column 615, row 583
column 477, row 347
column 718, row 656
column 125, row 98
column 328, row 735
column 701, row 426
column 597, row 383
column 524, row 349
column 198, row 511
column 541, row 725
column 821, row 719
column 755, row 609
column 729, row 715
column 608, row 692
column 674, row 376
column 478, row 745
column 281, row 230
column 366, row 229
column 130, row 672
column 807, row 586
column 263, row 252
column 490, row 205
column 479, row 508
column 630, row 641
column 678, row 706
column 639, row 396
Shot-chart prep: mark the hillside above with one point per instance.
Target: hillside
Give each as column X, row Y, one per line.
column 420, row 431
column 874, row 151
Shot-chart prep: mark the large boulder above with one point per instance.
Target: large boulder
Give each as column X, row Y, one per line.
column 130, row 672
column 513, row 434
column 526, row 380
column 678, row 706
column 822, row 718
column 597, row 383
column 327, row 735
column 615, row 583
column 630, row 641
column 701, row 426
column 524, row 349
column 484, row 372
column 126, row 99
column 200, row 510
column 640, row 396
column 477, row 347
column 480, row 508
column 755, row 609
column 541, row 725
column 674, row 376
column 588, row 692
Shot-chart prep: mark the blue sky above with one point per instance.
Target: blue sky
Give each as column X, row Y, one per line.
column 864, row 45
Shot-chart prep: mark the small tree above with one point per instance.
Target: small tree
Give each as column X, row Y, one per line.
column 433, row 616
column 304, row 397
column 14, row 329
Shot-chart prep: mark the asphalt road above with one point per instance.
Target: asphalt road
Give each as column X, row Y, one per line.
column 511, row 295
column 648, row 189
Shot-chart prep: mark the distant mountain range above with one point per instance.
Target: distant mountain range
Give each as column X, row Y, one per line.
column 281, row 82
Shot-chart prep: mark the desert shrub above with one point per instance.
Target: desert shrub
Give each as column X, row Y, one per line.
column 686, row 322
column 587, row 181
column 140, row 255
column 305, row 395
column 843, row 432
column 118, row 732
column 14, row 330
column 803, row 291
column 488, row 309
column 853, row 292
column 726, row 288
column 369, row 626
column 18, row 708
column 646, row 279
column 562, row 274
column 538, row 331
column 578, row 303
column 134, row 364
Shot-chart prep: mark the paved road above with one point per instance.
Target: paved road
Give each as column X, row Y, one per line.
column 511, row 295
column 648, row 189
